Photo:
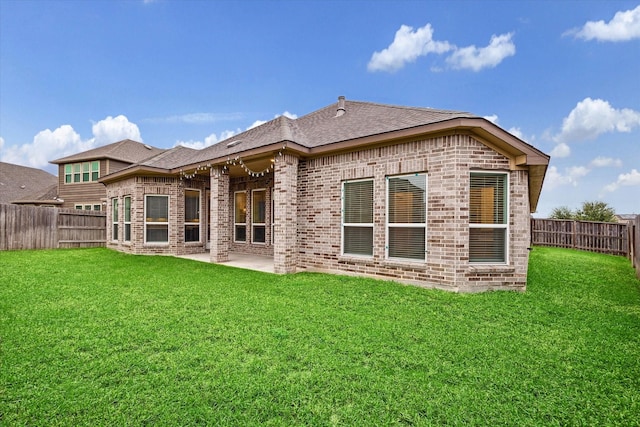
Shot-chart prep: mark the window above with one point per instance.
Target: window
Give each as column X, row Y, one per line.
column 95, row 170
column 407, row 217
column 127, row 219
column 192, row 216
column 258, row 215
column 89, row 207
column 240, row 216
column 114, row 216
column 82, row 172
column 488, row 217
column 357, row 217
column 156, row 219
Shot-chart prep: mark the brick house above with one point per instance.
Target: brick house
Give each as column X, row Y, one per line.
column 421, row 196
column 79, row 174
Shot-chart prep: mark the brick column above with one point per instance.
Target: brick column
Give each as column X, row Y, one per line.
column 285, row 187
column 219, row 215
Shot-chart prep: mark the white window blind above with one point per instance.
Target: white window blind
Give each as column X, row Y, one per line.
column 488, row 217
column 156, row 219
column 406, row 217
column 357, row 217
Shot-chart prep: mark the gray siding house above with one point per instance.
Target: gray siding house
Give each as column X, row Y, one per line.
column 422, row 196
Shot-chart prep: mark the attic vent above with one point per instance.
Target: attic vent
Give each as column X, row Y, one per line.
column 234, row 143
column 147, row 146
column 341, row 110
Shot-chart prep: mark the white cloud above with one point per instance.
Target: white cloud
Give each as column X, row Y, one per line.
column 209, row 140
column 492, row 118
column 50, row 145
column 407, row 46
column 214, row 139
column 517, row 132
column 561, row 150
column 622, row 27
column 113, row 129
column 603, row 162
column 1, row 142
column 626, row 179
column 592, row 117
column 571, row 176
column 474, row 58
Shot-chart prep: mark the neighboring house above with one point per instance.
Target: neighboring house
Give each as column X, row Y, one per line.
column 626, row 218
column 421, row 196
column 79, row 174
column 27, row 186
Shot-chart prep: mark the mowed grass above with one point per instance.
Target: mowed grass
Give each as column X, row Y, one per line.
column 95, row 337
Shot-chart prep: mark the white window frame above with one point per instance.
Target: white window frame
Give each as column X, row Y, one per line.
column 344, row 224
column 147, row 223
column 124, row 218
column 199, row 223
column 78, row 170
column 504, row 226
column 115, row 206
column 258, row 224
column 88, row 207
column 235, row 224
column 388, row 225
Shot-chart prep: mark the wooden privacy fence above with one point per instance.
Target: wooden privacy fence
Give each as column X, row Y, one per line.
column 30, row 227
column 603, row 237
column 635, row 245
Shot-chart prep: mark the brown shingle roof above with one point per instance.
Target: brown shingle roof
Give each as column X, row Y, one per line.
column 125, row 151
column 326, row 126
column 22, row 182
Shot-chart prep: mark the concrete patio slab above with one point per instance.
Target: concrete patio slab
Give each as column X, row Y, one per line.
column 239, row 260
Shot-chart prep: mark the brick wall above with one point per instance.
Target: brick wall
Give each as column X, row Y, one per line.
column 137, row 188
column 447, row 160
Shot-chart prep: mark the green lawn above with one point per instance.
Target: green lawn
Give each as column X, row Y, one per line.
column 96, row 337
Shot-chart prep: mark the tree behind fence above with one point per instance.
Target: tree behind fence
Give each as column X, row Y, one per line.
column 30, row 227
column 603, row 237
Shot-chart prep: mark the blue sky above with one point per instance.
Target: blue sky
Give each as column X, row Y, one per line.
column 562, row 75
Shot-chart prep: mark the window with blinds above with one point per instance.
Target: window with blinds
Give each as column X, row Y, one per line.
column 488, row 217
column 156, row 219
column 357, row 217
column 407, row 217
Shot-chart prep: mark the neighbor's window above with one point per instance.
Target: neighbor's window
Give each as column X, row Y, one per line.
column 357, row 217
column 114, row 216
column 68, row 174
column 192, row 216
column 89, row 207
column 127, row 219
column 95, row 171
column 81, row 172
column 407, row 217
column 156, row 219
column 240, row 216
column 488, row 217
column 258, row 215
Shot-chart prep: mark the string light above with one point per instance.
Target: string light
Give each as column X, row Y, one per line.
column 236, row 161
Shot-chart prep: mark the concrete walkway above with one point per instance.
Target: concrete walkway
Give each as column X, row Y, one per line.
column 246, row 261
